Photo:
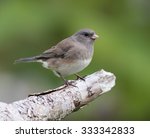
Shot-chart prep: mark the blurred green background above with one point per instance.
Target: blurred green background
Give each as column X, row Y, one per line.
column 29, row 27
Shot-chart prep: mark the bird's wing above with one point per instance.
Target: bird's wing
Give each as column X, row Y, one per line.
column 58, row 51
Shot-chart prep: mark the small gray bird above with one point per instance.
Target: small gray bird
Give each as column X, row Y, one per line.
column 69, row 56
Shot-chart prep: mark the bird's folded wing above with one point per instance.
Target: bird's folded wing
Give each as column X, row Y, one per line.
column 58, row 51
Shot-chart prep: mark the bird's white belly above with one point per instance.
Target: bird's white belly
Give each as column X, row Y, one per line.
column 45, row 64
column 72, row 68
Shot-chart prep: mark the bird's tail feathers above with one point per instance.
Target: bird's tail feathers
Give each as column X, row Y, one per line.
column 28, row 59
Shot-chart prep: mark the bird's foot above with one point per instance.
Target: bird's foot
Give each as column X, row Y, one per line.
column 79, row 77
column 67, row 83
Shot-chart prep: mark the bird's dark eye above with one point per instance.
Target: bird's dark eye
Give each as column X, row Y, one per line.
column 86, row 34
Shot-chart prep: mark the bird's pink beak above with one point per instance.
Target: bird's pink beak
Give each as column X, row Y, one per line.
column 94, row 36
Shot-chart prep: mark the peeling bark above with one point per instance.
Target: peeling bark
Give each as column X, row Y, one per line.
column 57, row 103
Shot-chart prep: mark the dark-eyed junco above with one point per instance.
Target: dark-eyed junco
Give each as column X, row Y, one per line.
column 69, row 56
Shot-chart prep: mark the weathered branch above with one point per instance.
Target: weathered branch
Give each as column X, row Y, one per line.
column 56, row 104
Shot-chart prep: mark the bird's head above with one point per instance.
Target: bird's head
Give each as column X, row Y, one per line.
column 86, row 36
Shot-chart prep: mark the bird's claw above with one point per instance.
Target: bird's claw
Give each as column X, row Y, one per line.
column 67, row 83
column 79, row 77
